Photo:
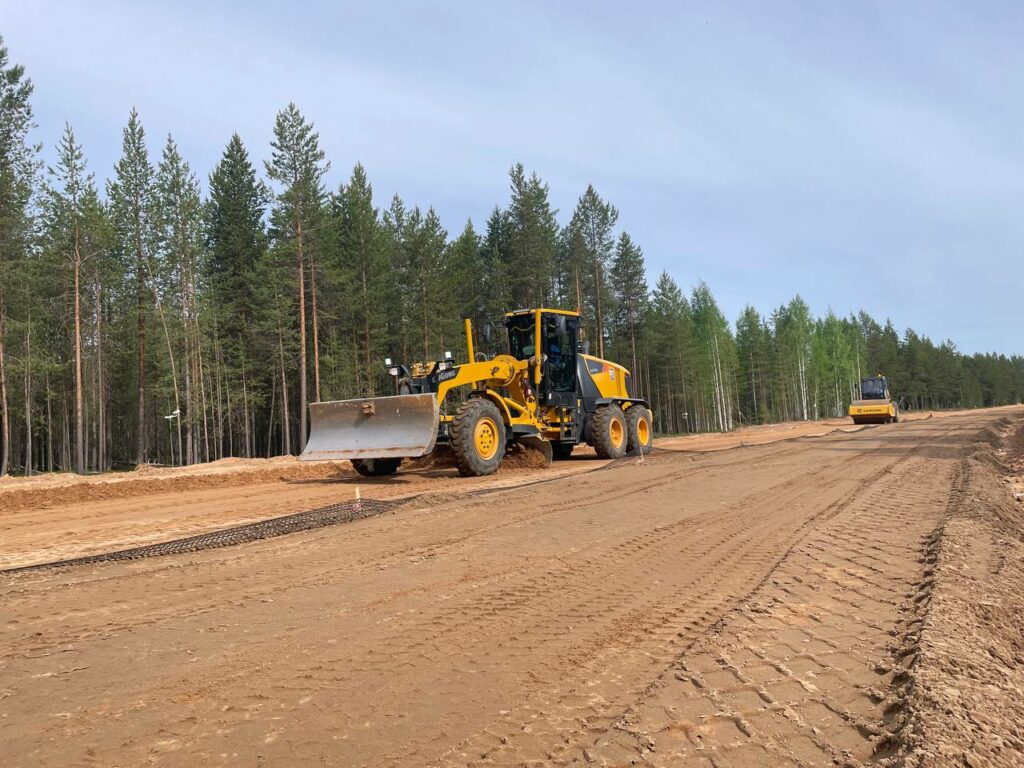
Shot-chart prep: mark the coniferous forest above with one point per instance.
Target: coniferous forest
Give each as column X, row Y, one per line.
column 147, row 316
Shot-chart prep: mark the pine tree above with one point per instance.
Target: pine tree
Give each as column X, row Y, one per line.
column 466, row 280
column 75, row 230
column 235, row 236
column 425, row 239
column 362, row 269
column 19, row 167
column 532, row 232
column 131, row 209
column 629, row 289
column 589, row 247
column 495, row 254
column 670, row 331
column 236, row 243
column 393, row 230
column 178, row 247
column 297, row 165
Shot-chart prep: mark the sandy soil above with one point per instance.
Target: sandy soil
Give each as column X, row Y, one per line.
column 52, row 489
column 838, row 601
column 57, row 516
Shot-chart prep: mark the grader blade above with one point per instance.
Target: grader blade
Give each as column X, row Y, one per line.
column 372, row 428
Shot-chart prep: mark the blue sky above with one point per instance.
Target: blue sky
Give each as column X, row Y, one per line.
column 864, row 155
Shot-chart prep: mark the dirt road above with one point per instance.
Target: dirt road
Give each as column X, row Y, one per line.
column 741, row 608
column 58, row 516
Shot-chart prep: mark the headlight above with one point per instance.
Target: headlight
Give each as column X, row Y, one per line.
column 393, row 371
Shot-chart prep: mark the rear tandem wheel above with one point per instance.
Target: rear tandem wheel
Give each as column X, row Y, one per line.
column 609, row 432
column 640, row 433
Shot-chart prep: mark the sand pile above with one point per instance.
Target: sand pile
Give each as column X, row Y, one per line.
column 66, row 488
column 521, row 457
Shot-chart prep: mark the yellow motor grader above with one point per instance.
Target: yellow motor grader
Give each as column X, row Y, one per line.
column 546, row 393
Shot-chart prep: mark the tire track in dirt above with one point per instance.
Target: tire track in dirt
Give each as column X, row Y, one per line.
column 374, row 558
column 803, row 673
column 577, row 723
column 518, row 628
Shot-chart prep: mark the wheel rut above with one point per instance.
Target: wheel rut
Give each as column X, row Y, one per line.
column 719, row 610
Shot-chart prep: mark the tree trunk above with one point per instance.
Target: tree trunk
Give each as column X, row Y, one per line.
column 245, row 410
column 270, row 414
column 367, row 347
column 174, row 373
column 79, row 424
column 598, row 319
column 5, row 413
column 285, row 427
column 188, row 458
column 301, row 269
column 101, row 439
column 202, row 393
column 140, row 289
column 28, row 398
column 316, row 325
column 49, row 421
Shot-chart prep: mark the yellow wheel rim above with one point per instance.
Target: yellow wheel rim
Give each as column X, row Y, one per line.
column 616, row 432
column 485, row 436
column 643, row 431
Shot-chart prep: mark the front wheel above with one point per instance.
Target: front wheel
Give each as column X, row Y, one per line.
column 376, row 467
column 477, row 435
column 609, row 432
column 640, row 431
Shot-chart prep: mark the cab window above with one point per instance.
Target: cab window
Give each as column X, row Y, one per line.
column 520, row 337
column 873, row 389
column 560, row 347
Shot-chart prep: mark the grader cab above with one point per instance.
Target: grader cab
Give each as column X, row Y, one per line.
column 546, row 393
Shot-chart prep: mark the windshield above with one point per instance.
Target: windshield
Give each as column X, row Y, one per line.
column 873, row 389
column 520, row 337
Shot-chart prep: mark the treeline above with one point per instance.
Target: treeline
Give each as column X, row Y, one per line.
column 145, row 320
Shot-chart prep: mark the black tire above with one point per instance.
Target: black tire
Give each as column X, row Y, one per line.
column 896, row 417
column 561, row 450
column 376, row 467
column 477, row 435
column 639, row 430
column 609, row 432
